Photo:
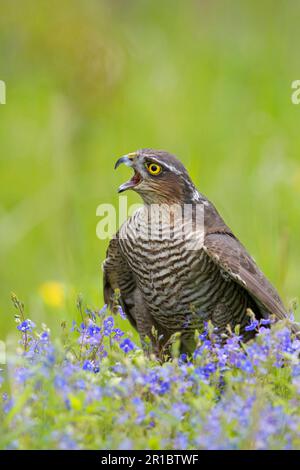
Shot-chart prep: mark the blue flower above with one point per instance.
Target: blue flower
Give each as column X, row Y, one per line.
column 91, row 367
column 247, row 367
column 118, row 333
column 102, row 312
column 163, row 387
column 67, row 403
column 7, row 405
column 44, row 336
column 122, row 313
column 91, row 314
column 252, row 326
column 203, row 335
column 292, row 317
column 93, row 330
column 26, row 325
column 127, row 345
column 108, row 325
column 60, row 382
column 265, row 321
column 139, row 408
column 209, row 369
column 183, row 359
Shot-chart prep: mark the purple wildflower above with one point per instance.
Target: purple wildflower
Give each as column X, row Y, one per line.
column 127, row 345
column 102, row 312
column 122, row 313
column 108, row 325
column 26, row 325
column 90, row 366
column 252, row 326
column 45, row 337
column 93, row 330
column 265, row 321
column 118, row 334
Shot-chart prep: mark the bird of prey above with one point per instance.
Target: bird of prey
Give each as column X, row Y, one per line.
column 170, row 281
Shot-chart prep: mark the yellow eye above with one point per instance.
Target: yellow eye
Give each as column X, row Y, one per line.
column 153, row 168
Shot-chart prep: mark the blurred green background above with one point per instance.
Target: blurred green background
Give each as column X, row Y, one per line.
column 88, row 81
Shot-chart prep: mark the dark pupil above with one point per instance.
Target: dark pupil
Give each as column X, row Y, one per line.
column 154, row 168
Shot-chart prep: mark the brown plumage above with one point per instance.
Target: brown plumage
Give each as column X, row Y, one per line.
column 169, row 284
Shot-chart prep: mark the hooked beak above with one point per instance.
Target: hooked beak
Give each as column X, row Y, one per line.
column 128, row 160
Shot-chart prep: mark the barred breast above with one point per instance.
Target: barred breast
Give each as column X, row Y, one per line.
column 182, row 287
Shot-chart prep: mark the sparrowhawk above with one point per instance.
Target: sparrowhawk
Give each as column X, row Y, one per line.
column 171, row 279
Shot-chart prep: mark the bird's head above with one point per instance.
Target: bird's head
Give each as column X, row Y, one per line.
column 159, row 177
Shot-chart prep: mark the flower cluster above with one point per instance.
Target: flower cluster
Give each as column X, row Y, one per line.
column 96, row 389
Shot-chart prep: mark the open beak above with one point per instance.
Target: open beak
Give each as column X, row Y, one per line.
column 128, row 160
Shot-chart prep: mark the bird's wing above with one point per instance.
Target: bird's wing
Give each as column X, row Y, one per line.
column 118, row 275
column 231, row 256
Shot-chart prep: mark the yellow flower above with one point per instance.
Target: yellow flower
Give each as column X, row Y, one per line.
column 75, row 403
column 52, row 293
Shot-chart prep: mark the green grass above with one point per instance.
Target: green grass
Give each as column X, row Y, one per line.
column 90, row 81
